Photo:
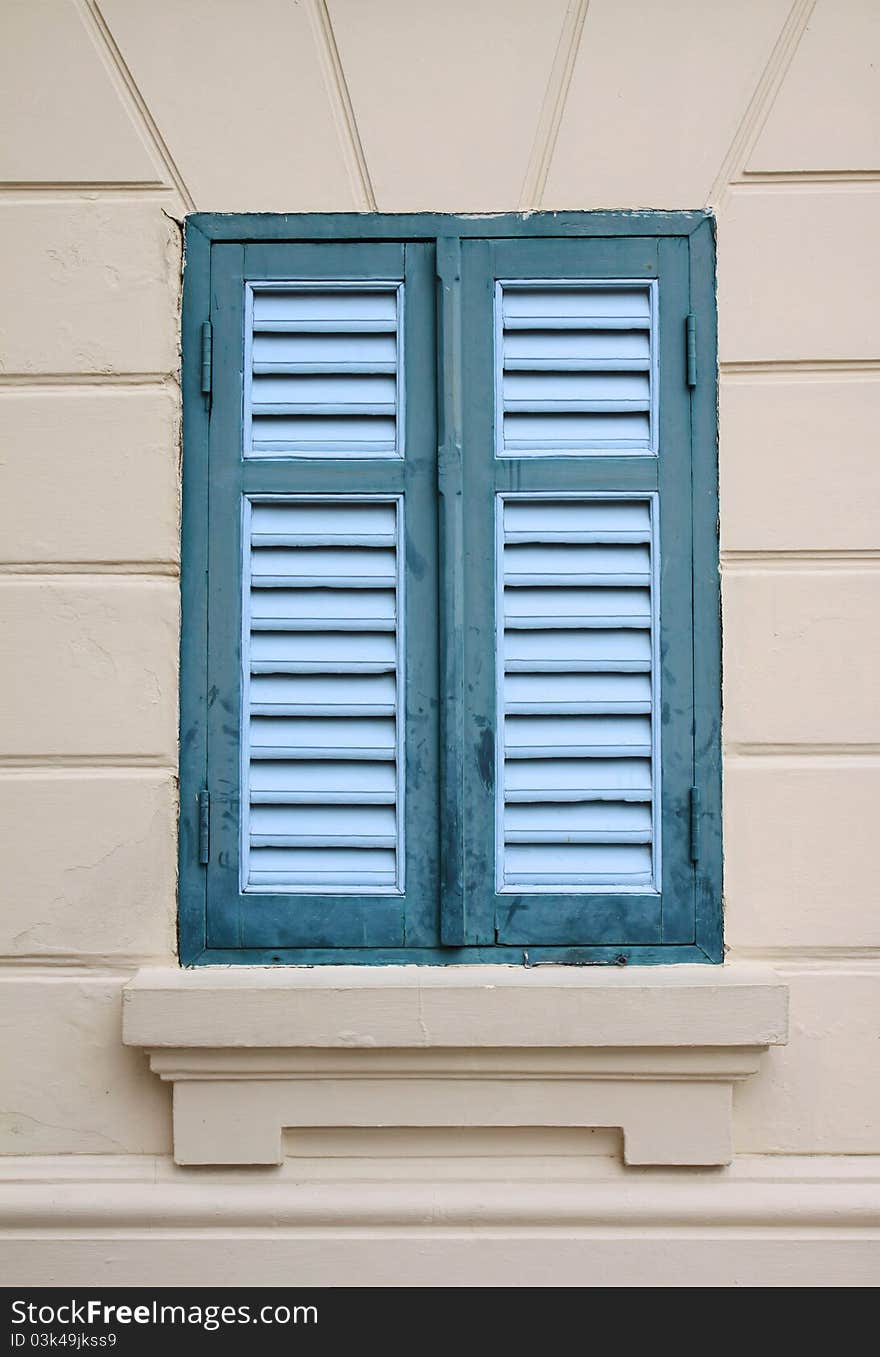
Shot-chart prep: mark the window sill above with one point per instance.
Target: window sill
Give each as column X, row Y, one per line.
column 655, row 1051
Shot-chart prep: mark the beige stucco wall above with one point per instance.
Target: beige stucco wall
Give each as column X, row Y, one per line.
column 126, row 116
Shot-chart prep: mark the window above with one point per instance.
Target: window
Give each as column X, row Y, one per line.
column 450, row 658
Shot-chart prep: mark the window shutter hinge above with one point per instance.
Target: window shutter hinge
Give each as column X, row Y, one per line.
column 204, row 827
column 695, row 824
column 691, row 349
column 207, row 336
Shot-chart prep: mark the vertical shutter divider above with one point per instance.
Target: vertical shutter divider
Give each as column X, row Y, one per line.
column 453, row 916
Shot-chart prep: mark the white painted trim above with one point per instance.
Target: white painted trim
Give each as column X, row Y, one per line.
column 655, row 1051
column 471, row 1006
column 440, row 1219
column 359, row 1187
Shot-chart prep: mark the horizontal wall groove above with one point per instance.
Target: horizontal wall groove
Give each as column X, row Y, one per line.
column 49, row 570
column 854, row 558
column 802, row 762
column 815, row 369
column 758, row 178
column 62, row 966
column 840, row 958
column 829, row 182
column 50, row 772
column 86, row 761
column 44, row 579
column 65, row 381
column 65, row 189
column 770, row 750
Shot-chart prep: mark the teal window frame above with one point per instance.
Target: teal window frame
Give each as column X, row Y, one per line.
column 450, row 910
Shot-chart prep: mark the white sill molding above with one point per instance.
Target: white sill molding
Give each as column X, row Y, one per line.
column 253, row 1052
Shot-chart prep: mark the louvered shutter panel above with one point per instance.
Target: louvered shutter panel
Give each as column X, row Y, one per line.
column 577, row 685
column 574, row 369
column 322, row 363
column 317, row 775
column 322, row 751
column 577, row 552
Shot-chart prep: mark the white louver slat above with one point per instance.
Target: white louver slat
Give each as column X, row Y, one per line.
column 321, row 733
column 575, row 368
column 322, row 370
column 577, row 678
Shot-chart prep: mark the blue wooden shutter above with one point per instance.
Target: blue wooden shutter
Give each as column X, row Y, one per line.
column 321, row 751
column 579, row 546
column 508, row 644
